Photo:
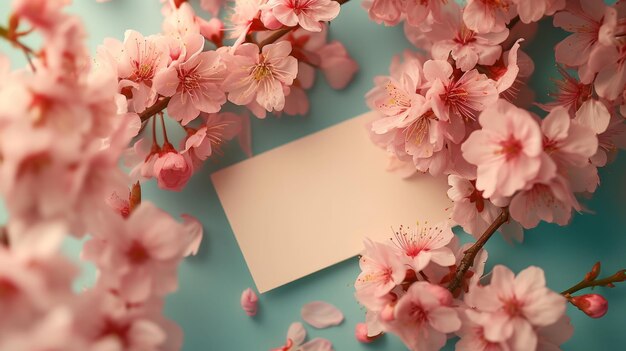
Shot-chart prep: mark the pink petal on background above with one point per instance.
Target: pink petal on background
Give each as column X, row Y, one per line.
column 194, row 231
column 317, row 344
column 321, row 314
column 296, row 333
column 249, row 302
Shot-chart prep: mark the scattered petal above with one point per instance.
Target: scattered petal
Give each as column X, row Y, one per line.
column 321, row 314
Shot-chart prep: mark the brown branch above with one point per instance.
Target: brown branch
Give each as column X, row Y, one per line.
column 158, row 106
column 620, row 276
column 470, row 254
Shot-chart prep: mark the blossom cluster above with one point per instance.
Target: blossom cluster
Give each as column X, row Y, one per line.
column 462, row 108
column 176, row 72
column 403, row 285
column 69, row 119
column 64, row 128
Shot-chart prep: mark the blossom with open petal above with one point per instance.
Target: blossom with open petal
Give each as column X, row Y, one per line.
column 512, row 307
column 507, row 151
column 488, row 16
column 424, row 244
column 307, row 13
column 194, row 86
column 261, row 77
column 424, row 316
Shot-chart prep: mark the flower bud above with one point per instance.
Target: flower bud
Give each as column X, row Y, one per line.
column 594, row 305
column 387, row 313
column 593, row 274
column 360, row 333
column 249, row 302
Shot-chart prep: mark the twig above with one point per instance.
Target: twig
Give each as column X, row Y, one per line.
column 470, row 254
column 620, row 276
column 158, row 106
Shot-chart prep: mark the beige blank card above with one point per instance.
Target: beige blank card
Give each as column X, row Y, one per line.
column 309, row 204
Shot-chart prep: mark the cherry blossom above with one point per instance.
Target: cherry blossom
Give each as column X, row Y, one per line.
column 261, row 77
column 385, row 11
column 139, row 254
column 468, row 48
column 471, row 210
column 172, row 169
column 533, row 10
column 423, row 317
column 567, row 141
column 424, row 244
column 507, row 151
column 307, row 14
column 382, row 269
column 510, row 307
column 462, row 97
column 193, row 86
column 485, row 16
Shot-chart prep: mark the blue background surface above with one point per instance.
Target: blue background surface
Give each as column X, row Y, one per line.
column 207, row 304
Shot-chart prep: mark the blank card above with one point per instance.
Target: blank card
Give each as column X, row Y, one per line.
column 309, row 204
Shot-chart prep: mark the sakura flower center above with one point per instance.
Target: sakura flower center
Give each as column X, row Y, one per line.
column 8, row 289
column 137, row 254
column 299, row 6
column 261, row 70
column 418, row 314
column 510, row 148
column 512, row 307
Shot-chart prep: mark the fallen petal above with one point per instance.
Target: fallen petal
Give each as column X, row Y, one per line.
column 321, row 314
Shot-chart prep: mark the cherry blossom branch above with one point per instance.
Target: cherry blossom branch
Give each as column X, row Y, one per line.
column 470, row 254
column 281, row 32
column 619, row 276
column 12, row 38
column 158, row 106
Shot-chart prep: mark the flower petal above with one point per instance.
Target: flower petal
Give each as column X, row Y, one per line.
column 321, row 314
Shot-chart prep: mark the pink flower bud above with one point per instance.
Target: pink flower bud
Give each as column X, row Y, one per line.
column 387, row 313
column 360, row 333
column 249, row 302
column 172, row 170
column 594, row 305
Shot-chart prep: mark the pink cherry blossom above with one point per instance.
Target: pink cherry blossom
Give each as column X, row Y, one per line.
column 571, row 93
column 608, row 63
column 424, row 244
column 471, row 210
column 418, row 11
column 462, row 97
column 249, row 302
column 382, row 269
column 583, row 18
column 507, row 151
column 533, row 10
column 594, row 305
column 511, row 307
column 468, row 48
column 193, row 86
column 424, row 316
column 396, row 96
column 172, row 170
column 567, row 141
column 321, row 314
column 261, row 77
column 138, row 255
column 296, row 336
column 551, row 201
column 308, row 13
column 385, row 11
column 488, row 16
column 139, row 62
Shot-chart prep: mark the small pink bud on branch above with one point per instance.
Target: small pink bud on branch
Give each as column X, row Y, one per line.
column 594, row 305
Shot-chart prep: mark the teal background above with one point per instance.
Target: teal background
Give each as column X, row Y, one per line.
column 207, row 304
